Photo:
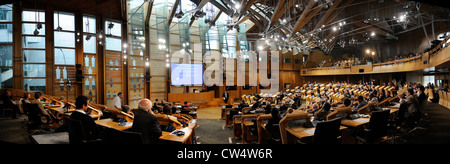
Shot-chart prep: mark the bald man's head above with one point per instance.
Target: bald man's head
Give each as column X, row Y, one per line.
column 145, row 104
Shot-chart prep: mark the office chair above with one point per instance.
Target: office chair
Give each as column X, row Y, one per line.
column 377, row 127
column 77, row 134
column 114, row 136
column 327, row 132
column 275, row 136
column 34, row 123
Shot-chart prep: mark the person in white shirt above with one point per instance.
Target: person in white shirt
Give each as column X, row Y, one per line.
column 117, row 101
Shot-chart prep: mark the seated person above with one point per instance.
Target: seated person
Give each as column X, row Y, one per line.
column 422, row 97
column 387, row 94
column 91, row 130
column 25, row 99
column 315, row 108
column 372, row 98
column 361, row 103
column 7, row 103
column 381, row 96
column 322, row 115
column 347, row 103
column 413, row 106
column 146, row 123
column 272, row 121
column 401, row 98
column 38, row 98
column 186, row 104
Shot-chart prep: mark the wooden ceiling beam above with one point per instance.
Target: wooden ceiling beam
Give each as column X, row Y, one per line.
column 277, row 10
column 174, row 10
column 302, row 17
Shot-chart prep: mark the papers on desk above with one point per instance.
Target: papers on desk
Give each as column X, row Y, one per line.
column 397, row 105
column 125, row 124
column 310, row 131
column 178, row 130
column 361, row 120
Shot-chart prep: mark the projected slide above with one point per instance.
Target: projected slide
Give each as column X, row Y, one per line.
column 186, row 74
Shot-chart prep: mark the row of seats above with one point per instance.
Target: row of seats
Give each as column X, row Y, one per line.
column 444, row 99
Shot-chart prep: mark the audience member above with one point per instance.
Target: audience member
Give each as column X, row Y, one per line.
column 146, row 123
column 91, row 130
column 7, row 103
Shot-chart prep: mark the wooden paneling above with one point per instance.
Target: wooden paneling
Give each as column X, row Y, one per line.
column 90, row 81
column 181, row 97
column 113, row 75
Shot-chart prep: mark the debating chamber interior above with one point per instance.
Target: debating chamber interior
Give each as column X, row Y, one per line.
column 229, row 72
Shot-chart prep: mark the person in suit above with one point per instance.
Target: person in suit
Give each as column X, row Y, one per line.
column 146, row 123
column 422, row 97
column 225, row 97
column 91, row 130
column 361, row 103
column 412, row 105
column 322, row 115
column 7, row 103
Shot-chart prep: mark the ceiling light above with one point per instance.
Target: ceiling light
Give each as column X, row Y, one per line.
column 334, row 29
column 372, row 34
column 237, row 6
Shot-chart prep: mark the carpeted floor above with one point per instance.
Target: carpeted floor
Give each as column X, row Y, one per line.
column 437, row 128
column 212, row 131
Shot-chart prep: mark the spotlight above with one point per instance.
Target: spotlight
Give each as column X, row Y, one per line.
column 36, row 32
column 88, row 37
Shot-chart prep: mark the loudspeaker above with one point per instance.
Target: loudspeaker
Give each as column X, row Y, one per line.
column 79, row 73
column 147, row 76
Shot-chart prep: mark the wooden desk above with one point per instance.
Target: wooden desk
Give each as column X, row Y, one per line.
column 302, row 132
column 109, row 123
column 355, row 123
column 166, row 136
column 185, row 139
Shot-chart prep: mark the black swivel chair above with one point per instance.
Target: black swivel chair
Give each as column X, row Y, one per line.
column 275, row 136
column 327, row 132
column 77, row 134
column 34, row 116
column 34, row 123
column 377, row 127
column 114, row 136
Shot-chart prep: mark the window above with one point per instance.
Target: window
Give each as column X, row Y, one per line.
column 89, row 35
column 33, row 50
column 6, row 46
column 113, row 31
column 428, row 79
column 113, row 60
column 64, row 35
column 89, row 58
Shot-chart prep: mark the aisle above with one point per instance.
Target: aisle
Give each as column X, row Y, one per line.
column 211, row 129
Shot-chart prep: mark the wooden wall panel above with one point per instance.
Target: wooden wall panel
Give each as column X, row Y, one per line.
column 113, row 75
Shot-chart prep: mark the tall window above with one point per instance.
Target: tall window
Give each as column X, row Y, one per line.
column 114, row 60
column 33, row 49
column 90, row 58
column 64, row 50
column 6, row 46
